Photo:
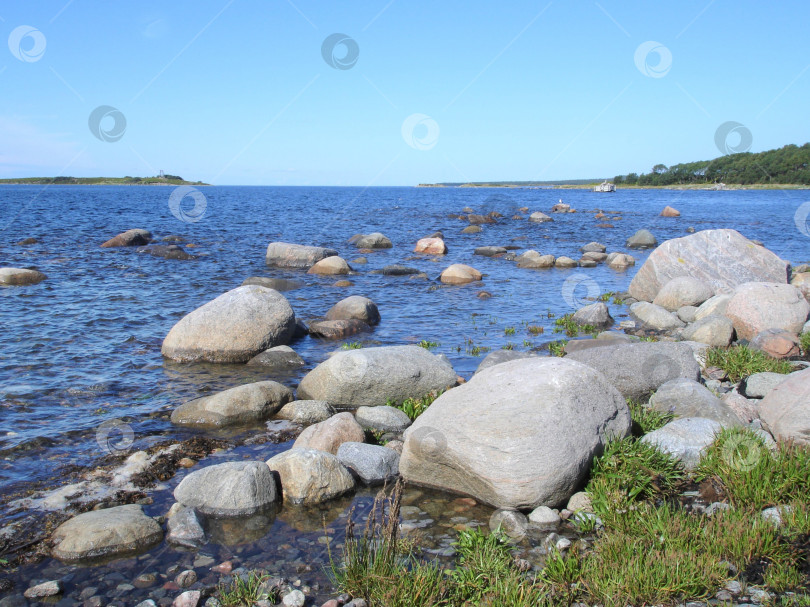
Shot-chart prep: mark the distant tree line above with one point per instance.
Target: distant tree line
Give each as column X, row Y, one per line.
column 789, row 164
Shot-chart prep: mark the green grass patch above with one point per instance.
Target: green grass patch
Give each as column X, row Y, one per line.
column 246, row 591
column 804, row 342
column 557, row 348
column 428, row 345
column 741, row 361
column 509, row 331
column 414, row 407
column 351, row 345
column 565, row 324
column 645, row 418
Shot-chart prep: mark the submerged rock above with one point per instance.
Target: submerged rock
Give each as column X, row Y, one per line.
column 243, row 404
column 20, row 276
column 172, row 251
column 539, row 217
column 279, row 358
column 431, row 246
column 117, row 531
column 375, row 240
column 185, row 529
column 372, row 464
column 337, row 329
column 355, row 308
column 287, row 255
column 643, row 239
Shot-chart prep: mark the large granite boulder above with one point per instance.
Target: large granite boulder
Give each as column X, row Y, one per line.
column 687, row 398
column 287, row 255
column 638, row 369
column 232, row 489
column 330, row 266
column 111, row 532
column 130, row 238
column 232, row 328
column 683, row 291
column 518, row 435
column 723, row 259
column 309, row 476
column 785, row 410
column 20, row 276
column 245, row 404
column 756, row 306
column 330, row 434
column 496, row 357
column 355, row 308
column 372, row 376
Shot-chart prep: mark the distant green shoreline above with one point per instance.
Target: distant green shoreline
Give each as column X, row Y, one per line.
column 168, row 180
column 589, row 186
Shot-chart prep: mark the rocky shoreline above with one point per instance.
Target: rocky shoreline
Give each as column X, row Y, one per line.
column 520, row 436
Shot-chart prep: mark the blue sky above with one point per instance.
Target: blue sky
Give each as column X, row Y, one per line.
column 239, row 92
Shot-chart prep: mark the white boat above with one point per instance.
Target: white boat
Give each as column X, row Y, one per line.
column 605, row 187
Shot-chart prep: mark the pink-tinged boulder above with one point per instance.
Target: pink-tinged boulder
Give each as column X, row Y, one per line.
column 785, row 410
column 460, row 274
column 430, row 246
column 329, row 435
column 670, row 212
column 724, row 259
column 801, row 280
column 329, row 266
column 130, row 238
column 777, row 343
column 756, row 306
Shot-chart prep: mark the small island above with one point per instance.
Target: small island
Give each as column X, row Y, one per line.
column 162, row 179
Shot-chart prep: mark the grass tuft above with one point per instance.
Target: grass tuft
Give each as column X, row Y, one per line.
column 428, row 345
column 741, row 361
column 245, row 591
column 645, row 418
column 414, row 407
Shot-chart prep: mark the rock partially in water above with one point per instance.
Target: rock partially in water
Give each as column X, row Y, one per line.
column 396, row 270
column 372, row 464
column 185, row 530
column 431, row 246
column 111, row 532
column 687, row 398
column 382, row 419
column 232, row 489
column 372, row 376
column 330, row 266
column 639, row 369
column 518, row 435
column 489, row 251
column 643, row 239
column 26, row 242
column 287, row 255
column 306, row 412
column 43, row 590
column 279, row 358
column 565, row 262
column 685, row 439
column 232, row 328
column 471, row 230
column 593, row 247
column 355, row 308
column 20, row 276
column 460, row 274
column 479, row 219
column 723, row 259
column 329, row 434
column 670, row 212
column 620, row 261
column 375, row 240
column 337, row 329
column 309, row 476
column 278, row 284
column 595, row 314
column 243, row 404
column 130, row 238
column 172, row 251
column 756, row 306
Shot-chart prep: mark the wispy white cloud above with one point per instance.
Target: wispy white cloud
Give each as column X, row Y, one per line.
column 28, row 149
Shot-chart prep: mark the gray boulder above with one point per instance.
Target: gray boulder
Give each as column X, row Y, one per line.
column 372, row 376
column 171, row 251
column 396, row 270
column 710, row 330
column 185, row 529
column 329, row 434
column 596, row 314
column 638, row 369
column 489, row 251
column 20, row 276
column 593, row 247
column 756, row 306
column 533, row 260
column 111, row 532
column 539, row 217
column 382, row 419
column 785, row 410
column 655, row 316
column 232, row 328
column 723, row 259
column 287, row 255
column 279, row 358
column 759, row 385
column 685, row 439
column 687, row 398
column 518, row 435
column 375, row 240
column 714, row 306
column 306, row 412
column 278, row 284
column 232, row 489
column 243, row 404
column 130, row 238
column 683, row 291
column 337, row 329
column 372, row 464
column 687, row 313
column 643, row 239
column 309, row 476
column 355, row 308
